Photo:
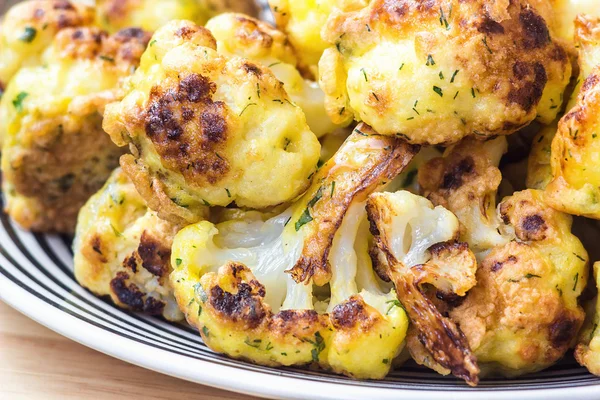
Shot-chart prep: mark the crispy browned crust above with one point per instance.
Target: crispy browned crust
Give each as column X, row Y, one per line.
column 463, row 176
column 388, row 156
column 439, row 335
column 504, row 47
column 238, row 303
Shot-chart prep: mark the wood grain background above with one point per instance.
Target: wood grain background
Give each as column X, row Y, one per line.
column 36, row 363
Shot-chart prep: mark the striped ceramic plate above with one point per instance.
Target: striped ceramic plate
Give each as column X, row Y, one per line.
column 36, row 277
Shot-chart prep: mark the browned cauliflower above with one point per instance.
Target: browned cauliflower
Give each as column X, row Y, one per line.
column 123, row 250
column 523, row 314
column 30, row 26
column 207, row 128
column 55, row 154
column 437, row 71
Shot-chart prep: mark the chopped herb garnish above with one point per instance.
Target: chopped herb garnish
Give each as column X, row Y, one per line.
column 269, row 346
column 254, row 344
column 319, row 344
column 485, row 43
column 107, row 58
column 430, row 60
column 455, row 95
column 205, row 331
column 576, row 279
column 529, row 276
column 228, row 192
column 18, row 101
column 385, row 361
column 473, row 92
column 304, row 219
column 342, row 110
column 393, row 303
column 178, row 261
column 245, row 108
column 368, row 27
column 287, row 221
column 317, row 197
column 258, row 90
column 441, row 75
column 200, row 293
column 199, row 309
column 578, row 256
column 438, row 90
column 364, row 74
column 152, row 43
column 274, row 64
column 206, row 203
column 402, row 66
column 453, row 76
column 374, row 95
column 28, row 34
column 443, row 20
column 559, row 290
column 115, row 231
column 332, row 189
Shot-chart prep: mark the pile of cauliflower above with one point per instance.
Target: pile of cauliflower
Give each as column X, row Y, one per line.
column 338, row 190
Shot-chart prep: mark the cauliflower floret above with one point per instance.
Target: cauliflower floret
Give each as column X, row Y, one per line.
column 257, row 41
column 522, row 315
column 55, row 154
column 465, row 181
column 209, row 129
column 303, row 22
column 113, row 15
column 122, row 250
column 440, row 72
column 415, row 246
column 30, row 26
column 255, row 299
column 574, row 160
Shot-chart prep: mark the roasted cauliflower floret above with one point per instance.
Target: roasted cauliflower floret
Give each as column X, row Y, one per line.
column 303, row 22
column 438, row 71
column 123, row 250
column 523, row 314
column 587, row 351
column 29, row 27
column 575, row 172
column 207, row 128
column 257, row 41
column 55, row 153
column 465, row 181
column 254, row 298
column 415, row 247
column 113, row 15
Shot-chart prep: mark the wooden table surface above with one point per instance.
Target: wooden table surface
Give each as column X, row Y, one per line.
column 36, row 363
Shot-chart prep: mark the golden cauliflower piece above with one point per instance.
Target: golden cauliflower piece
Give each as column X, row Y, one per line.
column 523, row 314
column 209, row 129
column 123, row 250
column 438, row 71
column 150, row 15
column 303, row 22
column 575, row 176
column 30, row 26
column 539, row 169
column 256, row 289
column 240, row 35
column 55, row 153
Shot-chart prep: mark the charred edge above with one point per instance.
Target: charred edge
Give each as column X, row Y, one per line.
column 243, row 306
column 454, row 177
column 155, row 256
